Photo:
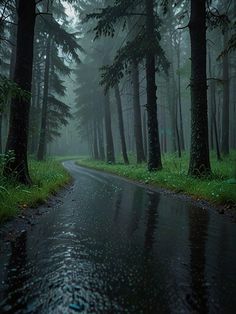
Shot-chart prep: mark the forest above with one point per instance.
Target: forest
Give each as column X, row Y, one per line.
column 143, row 84
column 143, row 90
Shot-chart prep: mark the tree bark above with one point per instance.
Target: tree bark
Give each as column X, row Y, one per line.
column 1, row 150
column 225, row 111
column 109, row 137
column 43, row 130
column 199, row 154
column 154, row 161
column 137, row 113
column 145, row 133
column 19, row 112
column 212, row 118
column 181, row 131
column 121, row 124
column 95, row 141
column 101, row 140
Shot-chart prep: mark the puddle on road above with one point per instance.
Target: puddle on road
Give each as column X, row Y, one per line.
column 113, row 247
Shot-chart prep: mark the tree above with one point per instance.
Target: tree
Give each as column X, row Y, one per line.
column 154, row 161
column 56, row 36
column 226, row 94
column 17, row 141
column 43, row 129
column 146, row 45
column 121, row 124
column 199, row 153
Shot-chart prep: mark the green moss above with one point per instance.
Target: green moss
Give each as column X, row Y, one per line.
column 48, row 177
column 218, row 189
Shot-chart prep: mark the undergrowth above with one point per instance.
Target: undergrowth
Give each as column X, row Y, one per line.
column 47, row 176
column 220, row 188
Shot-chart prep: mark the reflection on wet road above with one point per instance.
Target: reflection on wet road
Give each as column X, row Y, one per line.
column 115, row 247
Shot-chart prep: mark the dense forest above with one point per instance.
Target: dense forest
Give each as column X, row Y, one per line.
column 149, row 78
column 117, row 156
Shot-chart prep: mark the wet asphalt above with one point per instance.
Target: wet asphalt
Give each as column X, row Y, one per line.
column 110, row 246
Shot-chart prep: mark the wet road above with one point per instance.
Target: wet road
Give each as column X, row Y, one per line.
column 115, row 247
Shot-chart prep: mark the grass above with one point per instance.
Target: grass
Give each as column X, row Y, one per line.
column 220, row 188
column 65, row 158
column 48, row 177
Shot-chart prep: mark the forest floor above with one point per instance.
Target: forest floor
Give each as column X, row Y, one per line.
column 48, row 177
column 219, row 189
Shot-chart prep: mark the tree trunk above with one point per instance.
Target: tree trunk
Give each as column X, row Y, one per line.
column 181, row 131
column 225, row 111
column 154, row 161
column 95, row 141
column 1, row 150
column 121, row 124
column 137, row 113
column 199, row 154
column 19, row 113
column 212, row 118
column 109, row 137
column 43, row 130
column 101, row 141
column 35, row 128
column 145, row 133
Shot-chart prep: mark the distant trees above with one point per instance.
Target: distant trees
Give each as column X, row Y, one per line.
column 143, row 24
column 132, row 90
column 144, row 45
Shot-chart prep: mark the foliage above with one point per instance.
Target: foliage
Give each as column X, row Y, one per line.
column 231, row 46
column 135, row 49
column 9, row 89
column 47, row 177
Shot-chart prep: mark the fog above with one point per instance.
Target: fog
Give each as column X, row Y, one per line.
column 91, row 93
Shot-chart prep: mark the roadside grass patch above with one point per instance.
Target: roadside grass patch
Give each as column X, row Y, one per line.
column 220, row 188
column 48, row 177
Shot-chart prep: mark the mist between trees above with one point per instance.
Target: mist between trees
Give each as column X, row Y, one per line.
column 110, row 78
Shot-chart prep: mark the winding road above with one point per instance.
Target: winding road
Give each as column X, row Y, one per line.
column 110, row 246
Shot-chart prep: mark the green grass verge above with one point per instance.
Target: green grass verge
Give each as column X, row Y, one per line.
column 219, row 189
column 48, row 177
column 65, row 158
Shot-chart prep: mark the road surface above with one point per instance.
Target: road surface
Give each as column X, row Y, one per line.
column 111, row 246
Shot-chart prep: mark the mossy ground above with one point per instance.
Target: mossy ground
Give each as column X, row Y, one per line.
column 220, row 188
column 47, row 176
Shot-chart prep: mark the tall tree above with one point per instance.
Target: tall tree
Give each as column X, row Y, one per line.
column 43, row 129
column 226, row 93
column 109, row 136
column 154, row 160
column 199, row 154
column 19, row 116
column 121, row 124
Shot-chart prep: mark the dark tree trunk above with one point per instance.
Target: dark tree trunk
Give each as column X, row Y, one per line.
column 95, row 141
column 36, row 114
column 145, row 133
column 137, row 113
column 43, row 130
column 181, row 131
column 199, row 154
column 1, row 133
column 19, row 116
column 212, row 118
column 109, row 137
column 101, row 141
column 121, row 124
column 154, row 161
column 225, row 111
